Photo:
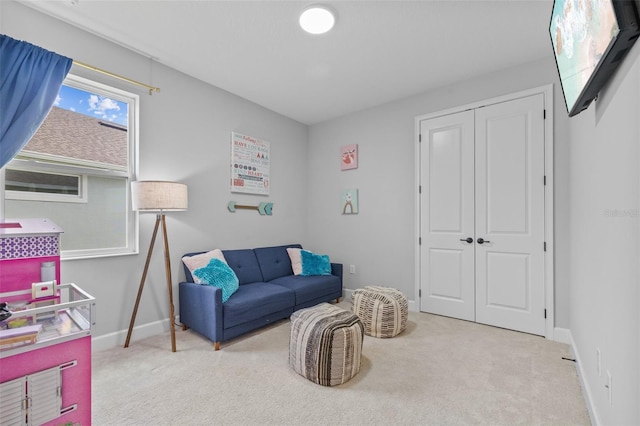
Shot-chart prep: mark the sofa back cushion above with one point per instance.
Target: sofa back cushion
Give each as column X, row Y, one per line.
column 274, row 261
column 245, row 264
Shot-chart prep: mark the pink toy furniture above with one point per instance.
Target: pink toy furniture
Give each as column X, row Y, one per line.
column 45, row 346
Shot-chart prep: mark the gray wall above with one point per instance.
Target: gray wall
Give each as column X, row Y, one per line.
column 185, row 135
column 381, row 239
column 604, row 229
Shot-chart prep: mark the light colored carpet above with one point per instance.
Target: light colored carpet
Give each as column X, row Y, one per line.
column 440, row 371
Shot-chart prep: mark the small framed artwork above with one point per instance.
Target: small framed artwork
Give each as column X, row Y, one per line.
column 349, row 201
column 349, row 157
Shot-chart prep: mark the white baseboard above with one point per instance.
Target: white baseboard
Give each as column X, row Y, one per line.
column 562, row 335
column 118, row 338
column 413, row 306
column 586, row 389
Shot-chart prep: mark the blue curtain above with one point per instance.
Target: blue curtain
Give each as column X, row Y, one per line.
column 30, row 79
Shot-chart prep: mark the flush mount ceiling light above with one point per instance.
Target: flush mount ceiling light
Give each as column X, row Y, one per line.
column 317, row 19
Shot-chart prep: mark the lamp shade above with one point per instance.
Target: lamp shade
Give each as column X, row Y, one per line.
column 155, row 195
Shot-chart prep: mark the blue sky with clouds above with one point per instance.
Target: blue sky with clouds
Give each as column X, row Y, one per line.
column 93, row 105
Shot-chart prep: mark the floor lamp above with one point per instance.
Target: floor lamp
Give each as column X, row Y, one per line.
column 158, row 196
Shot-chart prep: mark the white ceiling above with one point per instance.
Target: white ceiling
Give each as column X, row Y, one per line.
column 379, row 51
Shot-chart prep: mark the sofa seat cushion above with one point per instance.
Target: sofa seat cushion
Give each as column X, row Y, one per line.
column 255, row 300
column 308, row 288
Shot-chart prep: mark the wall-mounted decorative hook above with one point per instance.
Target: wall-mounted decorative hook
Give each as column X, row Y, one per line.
column 263, row 208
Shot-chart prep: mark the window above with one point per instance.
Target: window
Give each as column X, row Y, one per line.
column 28, row 185
column 77, row 169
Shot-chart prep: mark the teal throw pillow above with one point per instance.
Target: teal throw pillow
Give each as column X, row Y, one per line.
column 219, row 274
column 314, row 264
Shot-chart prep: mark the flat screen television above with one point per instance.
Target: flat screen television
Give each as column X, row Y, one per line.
column 590, row 38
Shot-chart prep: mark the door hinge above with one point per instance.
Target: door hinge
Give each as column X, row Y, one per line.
column 420, row 138
column 419, row 189
column 545, row 313
column 544, row 180
column 419, row 241
column 544, row 114
column 545, row 246
column 420, row 292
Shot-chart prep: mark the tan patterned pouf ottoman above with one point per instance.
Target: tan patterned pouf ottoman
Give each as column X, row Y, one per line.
column 326, row 344
column 382, row 310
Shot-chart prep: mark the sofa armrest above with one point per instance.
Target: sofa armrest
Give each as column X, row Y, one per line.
column 336, row 269
column 201, row 309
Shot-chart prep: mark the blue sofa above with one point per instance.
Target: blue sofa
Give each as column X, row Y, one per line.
column 268, row 291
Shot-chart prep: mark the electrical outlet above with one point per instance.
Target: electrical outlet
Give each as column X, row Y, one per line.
column 609, row 387
column 352, row 269
column 598, row 361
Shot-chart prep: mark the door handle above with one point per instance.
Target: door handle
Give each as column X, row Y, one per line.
column 482, row 241
column 467, row 240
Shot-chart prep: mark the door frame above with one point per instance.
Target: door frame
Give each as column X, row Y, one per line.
column 549, row 279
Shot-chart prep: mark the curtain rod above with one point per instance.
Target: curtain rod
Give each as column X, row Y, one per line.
column 110, row 74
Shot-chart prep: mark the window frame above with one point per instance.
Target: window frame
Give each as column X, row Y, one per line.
column 29, row 161
column 83, row 188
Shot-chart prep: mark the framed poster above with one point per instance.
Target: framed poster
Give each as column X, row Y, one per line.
column 250, row 159
column 349, row 157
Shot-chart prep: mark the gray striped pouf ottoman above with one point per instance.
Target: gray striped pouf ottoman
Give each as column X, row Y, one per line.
column 326, row 344
column 382, row 310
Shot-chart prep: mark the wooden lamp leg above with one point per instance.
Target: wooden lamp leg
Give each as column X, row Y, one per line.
column 167, row 265
column 144, row 277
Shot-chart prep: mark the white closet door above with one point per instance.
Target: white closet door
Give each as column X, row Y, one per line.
column 510, row 215
column 482, row 179
column 447, row 259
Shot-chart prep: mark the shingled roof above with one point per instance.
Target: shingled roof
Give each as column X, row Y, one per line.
column 70, row 134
